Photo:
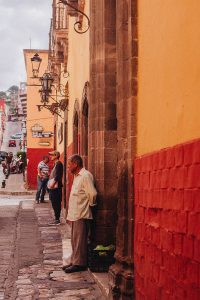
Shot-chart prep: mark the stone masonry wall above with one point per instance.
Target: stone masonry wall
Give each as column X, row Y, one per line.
column 121, row 274
column 167, row 222
column 102, row 155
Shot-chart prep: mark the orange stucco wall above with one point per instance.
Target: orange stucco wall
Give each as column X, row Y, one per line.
column 78, row 67
column 44, row 117
column 169, row 73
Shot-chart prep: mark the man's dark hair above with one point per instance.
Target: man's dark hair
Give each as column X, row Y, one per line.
column 75, row 158
column 45, row 156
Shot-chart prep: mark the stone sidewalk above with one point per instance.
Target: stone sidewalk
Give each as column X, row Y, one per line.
column 39, row 254
column 39, row 275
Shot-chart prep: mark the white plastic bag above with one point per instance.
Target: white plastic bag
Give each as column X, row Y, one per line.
column 52, row 184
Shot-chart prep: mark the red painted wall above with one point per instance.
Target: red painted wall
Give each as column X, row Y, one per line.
column 34, row 157
column 62, row 160
column 167, row 224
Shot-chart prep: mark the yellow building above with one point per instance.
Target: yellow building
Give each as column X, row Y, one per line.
column 168, row 154
column 69, row 59
column 168, row 98
column 39, row 123
column 133, row 114
column 78, row 67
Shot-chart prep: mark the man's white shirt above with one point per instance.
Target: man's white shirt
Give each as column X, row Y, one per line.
column 82, row 197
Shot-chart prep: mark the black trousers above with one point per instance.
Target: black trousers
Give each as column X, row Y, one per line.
column 55, row 196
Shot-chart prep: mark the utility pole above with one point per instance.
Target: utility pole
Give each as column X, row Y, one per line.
column 65, row 148
column 65, row 159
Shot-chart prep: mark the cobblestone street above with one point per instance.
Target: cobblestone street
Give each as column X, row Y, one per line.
column 32, row 256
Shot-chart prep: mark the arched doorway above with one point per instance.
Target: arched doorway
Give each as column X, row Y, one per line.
column 76, row 148
column 84, row 125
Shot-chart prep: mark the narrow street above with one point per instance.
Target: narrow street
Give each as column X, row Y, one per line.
column 15, row 182
column 31, row 252
column 11, row 128
column 101, row 97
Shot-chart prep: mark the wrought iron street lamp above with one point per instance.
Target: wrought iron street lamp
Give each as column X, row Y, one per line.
column 47, row 82
column 60, row 101
column 44, row 97
column 56, row 107
column 36, row 61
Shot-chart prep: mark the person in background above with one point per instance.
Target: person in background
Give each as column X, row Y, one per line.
column 82, row 198
column 42, row 179
column 55, row 186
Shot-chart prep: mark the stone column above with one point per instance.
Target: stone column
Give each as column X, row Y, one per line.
column 121, row 273
column 102, row 155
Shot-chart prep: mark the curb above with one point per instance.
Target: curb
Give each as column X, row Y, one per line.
column 16, row 193
column 101, row 284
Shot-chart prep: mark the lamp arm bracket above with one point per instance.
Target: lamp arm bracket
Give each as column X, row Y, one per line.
column 78, row 22
column 49, row 107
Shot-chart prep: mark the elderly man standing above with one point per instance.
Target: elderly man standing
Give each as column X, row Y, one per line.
column 82, row 197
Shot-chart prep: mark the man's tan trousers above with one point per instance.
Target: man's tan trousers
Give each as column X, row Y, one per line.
column 79, row 241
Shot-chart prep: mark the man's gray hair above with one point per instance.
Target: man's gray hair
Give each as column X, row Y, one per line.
column 75, row 158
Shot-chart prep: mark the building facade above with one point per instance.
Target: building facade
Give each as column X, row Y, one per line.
column 113, row 82
column 100, row 117
column 132, row 86
column 167, row 245
column 39, row 124
column 22, row 100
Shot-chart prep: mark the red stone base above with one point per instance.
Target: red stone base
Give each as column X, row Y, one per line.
column 167, row 223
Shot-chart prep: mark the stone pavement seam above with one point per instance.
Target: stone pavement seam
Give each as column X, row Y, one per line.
column 12, row 274
column 45, row 280
column 16, row 193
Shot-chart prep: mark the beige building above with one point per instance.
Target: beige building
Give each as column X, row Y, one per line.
column 94, row 65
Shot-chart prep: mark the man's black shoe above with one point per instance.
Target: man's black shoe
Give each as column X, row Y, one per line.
column 66, row 266
column 54, row 223
column 74, row 269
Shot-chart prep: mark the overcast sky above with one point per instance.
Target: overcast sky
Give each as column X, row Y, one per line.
column 21, row 20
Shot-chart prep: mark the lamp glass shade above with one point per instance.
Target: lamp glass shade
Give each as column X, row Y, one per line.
column 36, row 61
column 46, row 81
column 44, row 97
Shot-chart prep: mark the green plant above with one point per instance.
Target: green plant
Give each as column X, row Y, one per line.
column 104, row 248
column 23, row 156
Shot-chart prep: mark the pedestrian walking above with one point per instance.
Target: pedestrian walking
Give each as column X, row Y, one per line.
column 82, row 198
column 55, row 186
column 42, row 179
column 9, row 159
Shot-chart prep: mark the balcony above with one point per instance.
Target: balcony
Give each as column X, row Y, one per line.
column 59, row 21
column 58, row 37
